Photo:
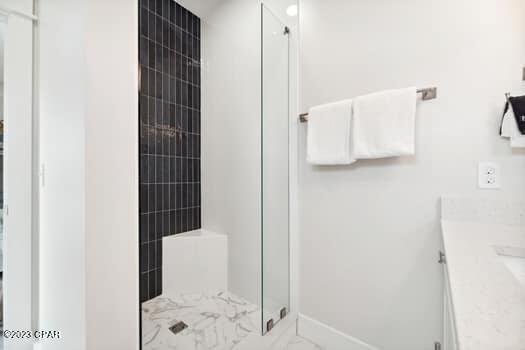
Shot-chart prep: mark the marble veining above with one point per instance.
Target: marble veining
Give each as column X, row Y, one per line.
column 217, row 320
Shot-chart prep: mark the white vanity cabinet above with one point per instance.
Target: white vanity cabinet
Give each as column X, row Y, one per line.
column 483, row 300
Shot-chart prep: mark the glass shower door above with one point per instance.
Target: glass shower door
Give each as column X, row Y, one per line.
column 275, row 170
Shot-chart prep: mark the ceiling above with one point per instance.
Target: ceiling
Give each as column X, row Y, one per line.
column 203, row 8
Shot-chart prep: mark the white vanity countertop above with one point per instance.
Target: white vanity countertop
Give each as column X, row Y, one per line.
column 488, row 301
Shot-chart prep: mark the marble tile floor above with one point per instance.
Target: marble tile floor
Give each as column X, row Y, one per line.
column 218, row 321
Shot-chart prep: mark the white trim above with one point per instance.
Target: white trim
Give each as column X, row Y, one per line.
column 7, row 11
column 283, row 340
column 272, row 339
column 328, row 337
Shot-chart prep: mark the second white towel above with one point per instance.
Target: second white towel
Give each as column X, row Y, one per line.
column 384, row 124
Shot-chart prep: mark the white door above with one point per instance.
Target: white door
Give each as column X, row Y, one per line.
column 18, row 146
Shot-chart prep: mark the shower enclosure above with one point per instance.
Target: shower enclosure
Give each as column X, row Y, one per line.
column 214, row 159
column 275, row 129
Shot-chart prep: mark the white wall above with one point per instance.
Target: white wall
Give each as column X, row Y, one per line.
column 89, row 145
column 23, row 6
column 62, row 101
column 370, row 232
column 231, row 138
column 111, row 134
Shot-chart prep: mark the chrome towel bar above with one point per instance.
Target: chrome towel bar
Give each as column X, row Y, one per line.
column 426, row 94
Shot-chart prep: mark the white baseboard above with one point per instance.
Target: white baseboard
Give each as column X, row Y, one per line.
column 327, row 337
column 273, row 339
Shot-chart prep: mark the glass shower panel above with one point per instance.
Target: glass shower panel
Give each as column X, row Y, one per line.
column 275, row 169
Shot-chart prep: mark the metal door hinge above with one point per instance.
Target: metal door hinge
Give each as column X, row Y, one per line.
column 442, row 258
column 269, row 325
column 283, row 313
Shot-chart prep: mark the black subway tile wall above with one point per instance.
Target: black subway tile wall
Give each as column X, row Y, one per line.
column 169, row 126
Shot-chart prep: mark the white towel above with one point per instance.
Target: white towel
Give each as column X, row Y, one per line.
column 509, row 129
column 384, row 124
column 328, row 136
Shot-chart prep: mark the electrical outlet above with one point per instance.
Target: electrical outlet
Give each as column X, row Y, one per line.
column 489, row 175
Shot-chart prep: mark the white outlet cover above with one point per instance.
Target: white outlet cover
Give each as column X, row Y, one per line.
column 489, row 175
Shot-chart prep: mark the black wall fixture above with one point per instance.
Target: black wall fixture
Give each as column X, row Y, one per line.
column 169, row 126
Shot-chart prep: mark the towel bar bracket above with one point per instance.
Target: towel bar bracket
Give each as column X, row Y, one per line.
column 428, row 93
column 303, row 118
